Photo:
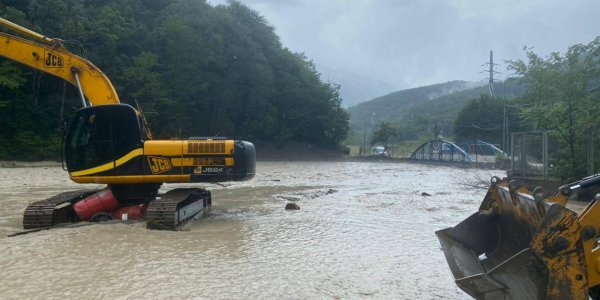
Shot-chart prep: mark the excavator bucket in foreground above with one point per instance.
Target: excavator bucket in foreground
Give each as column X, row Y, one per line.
column 520, row 245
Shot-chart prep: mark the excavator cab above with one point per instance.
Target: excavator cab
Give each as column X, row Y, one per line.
column 99, row 135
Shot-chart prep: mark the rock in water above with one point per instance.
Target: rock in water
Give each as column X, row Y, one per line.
column 292, row 206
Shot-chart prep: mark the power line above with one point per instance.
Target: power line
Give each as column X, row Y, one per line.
column 484, row 128
column 481, row 128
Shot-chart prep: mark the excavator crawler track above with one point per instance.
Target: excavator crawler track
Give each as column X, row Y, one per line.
column 54, row 210
column 175, row 208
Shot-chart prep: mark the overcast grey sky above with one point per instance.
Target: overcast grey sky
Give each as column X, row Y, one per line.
column 410, row 43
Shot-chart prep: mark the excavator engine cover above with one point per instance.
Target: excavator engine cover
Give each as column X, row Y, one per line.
column 517, row 246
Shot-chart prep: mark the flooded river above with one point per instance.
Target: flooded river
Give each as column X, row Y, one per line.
column 363, row 231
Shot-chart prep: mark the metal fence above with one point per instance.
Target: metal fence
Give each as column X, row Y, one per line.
column 529, row 155
column 536, row 155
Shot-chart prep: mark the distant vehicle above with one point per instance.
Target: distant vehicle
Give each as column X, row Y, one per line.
column 379, row 150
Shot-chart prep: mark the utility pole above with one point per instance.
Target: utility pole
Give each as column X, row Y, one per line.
column 367, row 119
column 491, row 78
column 590, row 136
column 504, row 130
column 365, row 139
column 491, row 73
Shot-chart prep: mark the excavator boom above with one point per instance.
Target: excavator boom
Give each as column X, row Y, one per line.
column 28, row 32
column 52, row 58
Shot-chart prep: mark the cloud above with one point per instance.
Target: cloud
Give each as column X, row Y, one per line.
column 416, row 42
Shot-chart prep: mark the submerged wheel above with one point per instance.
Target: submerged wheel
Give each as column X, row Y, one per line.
column 101, row 217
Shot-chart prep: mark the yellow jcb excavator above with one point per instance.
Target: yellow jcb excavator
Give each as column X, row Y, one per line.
column 108, row 143
column 524, row 245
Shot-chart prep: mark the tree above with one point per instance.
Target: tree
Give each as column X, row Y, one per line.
column 205, row 70
column 384, row 133
column 563, row 90
column 481, row 119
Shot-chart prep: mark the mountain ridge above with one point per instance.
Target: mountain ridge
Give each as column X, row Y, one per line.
column 417, row 111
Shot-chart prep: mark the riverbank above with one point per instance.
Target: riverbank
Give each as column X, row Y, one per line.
column 29, row 164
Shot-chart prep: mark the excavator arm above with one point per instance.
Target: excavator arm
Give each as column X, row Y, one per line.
column 50, row 56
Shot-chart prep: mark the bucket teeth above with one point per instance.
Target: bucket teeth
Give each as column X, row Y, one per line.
column 517, row 247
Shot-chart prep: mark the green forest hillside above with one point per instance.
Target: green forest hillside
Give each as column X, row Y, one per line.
column 417, row 112
column 197, row 70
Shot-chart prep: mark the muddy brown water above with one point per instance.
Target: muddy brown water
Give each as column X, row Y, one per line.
column 363, row 231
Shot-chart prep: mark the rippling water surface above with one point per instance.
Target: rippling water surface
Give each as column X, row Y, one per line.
column 363, row 231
